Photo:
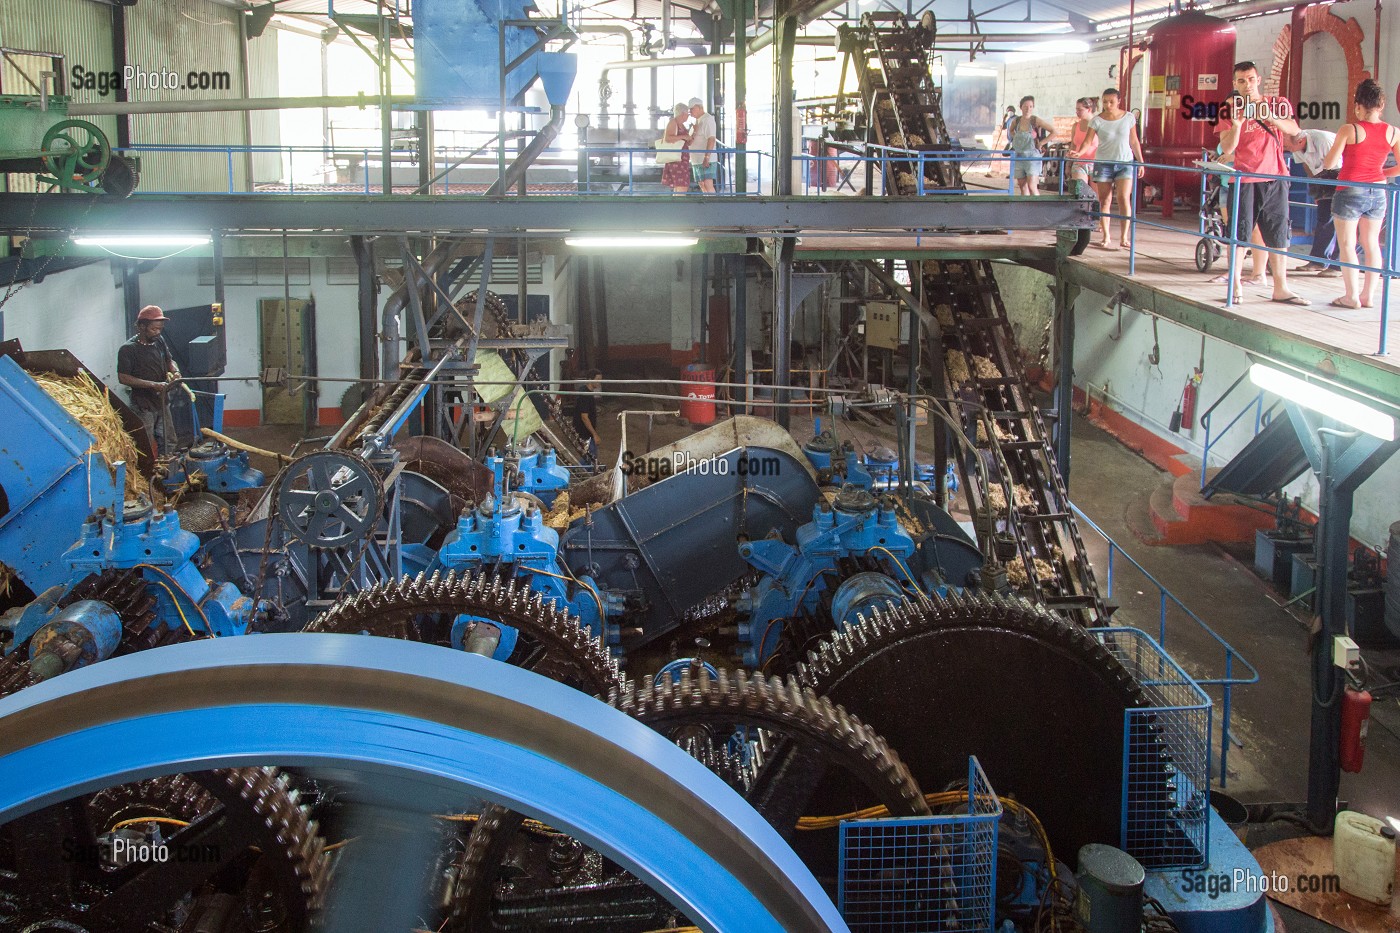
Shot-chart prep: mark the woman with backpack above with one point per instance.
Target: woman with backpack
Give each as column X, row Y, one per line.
column 1027, row 133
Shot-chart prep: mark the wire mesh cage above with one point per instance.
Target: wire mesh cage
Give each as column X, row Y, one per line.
column 913, row 874
column 1166, row 757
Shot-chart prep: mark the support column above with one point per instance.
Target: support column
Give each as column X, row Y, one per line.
column 363, row 250
column 782, row 342
column 1065, row 295
column 1343, row 461
column 740, row 339
column 741, row 58
column 782, row 91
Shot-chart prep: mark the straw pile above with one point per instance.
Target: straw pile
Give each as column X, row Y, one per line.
column 88, row 403
column 561, row 514
column 985, row 368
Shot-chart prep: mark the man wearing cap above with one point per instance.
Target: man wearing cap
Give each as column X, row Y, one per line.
column 702, row 143
column 145, row 366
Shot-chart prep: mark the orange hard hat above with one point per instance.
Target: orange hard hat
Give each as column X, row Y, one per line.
column 151, row 313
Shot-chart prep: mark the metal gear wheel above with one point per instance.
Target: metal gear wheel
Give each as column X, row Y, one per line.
column 513, row 879
column 328, row 499
column 249, row 859
column 424, row 608
column 1038, row 699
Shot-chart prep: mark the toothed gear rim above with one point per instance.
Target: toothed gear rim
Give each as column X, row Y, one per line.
column 422, row 608
column 807, row 727
column 276, row 874
column 1036, row 698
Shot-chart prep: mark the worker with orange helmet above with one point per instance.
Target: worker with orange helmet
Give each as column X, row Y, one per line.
column 145, row 366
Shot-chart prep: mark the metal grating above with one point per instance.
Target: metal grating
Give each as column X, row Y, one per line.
column 1166, row 757
column 913, row 874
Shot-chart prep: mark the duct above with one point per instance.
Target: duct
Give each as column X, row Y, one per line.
column 1230, row 11
column 214, row 105
column 665, row 62
column 629, row 104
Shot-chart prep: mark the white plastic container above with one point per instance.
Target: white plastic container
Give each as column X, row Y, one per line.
column 1363, row 851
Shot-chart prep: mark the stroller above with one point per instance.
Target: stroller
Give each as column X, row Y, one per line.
column 1208, row 248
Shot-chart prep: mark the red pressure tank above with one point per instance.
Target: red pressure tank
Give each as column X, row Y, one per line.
column 1190, row 73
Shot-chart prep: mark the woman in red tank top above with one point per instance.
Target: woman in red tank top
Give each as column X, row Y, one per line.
column 1360, row 150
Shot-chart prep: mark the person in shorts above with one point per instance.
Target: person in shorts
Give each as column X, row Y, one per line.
column 1360, row 151
column 1027, row 131
column 1113, row 131
column 1079, row 140
column 1257, row 125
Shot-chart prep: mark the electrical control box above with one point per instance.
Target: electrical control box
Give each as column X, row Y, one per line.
column 1345, row 653
column 882, row 324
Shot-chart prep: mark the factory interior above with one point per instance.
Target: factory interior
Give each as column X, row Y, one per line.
column 641, row 465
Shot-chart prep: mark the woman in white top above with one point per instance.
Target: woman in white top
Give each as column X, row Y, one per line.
column 1115, row 132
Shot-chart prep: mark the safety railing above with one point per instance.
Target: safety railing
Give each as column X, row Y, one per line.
column 883, row 161
column 1165, row 822
column 1262, row 417
column 923, row 872
column 1168, row 605
column 634, row 170
column 1223, row 237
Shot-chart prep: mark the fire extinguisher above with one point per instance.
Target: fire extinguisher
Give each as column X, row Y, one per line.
column 1188, row 399
column 1356, row 712
column 741, row 126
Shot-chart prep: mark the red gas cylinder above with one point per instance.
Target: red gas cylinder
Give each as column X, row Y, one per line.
column 698, row 406
column 1356, row 710
column 1190, row 73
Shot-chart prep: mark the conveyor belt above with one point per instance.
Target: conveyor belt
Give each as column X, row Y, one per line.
column 980, row 358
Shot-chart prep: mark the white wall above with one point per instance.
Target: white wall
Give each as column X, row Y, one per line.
column 1148, row 395
column 79, row 310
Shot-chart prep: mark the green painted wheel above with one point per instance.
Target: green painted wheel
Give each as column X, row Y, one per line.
column 75, row 152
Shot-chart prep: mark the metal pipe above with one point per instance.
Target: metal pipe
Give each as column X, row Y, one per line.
column 629, row 104
column 227, row 104
column 666, row 62
column 1231, row 12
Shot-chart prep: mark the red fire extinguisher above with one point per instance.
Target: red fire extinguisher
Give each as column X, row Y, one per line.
column 741, row 126
column 1188, row 399
column 1356, row 711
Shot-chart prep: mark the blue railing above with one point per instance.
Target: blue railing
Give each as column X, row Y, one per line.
column 1383, row 267
column 1262, row 417
column 1227, row 680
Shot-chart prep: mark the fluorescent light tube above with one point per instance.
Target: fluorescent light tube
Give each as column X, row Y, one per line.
column 143, row 239
column 630, row 242
column 1324, row 401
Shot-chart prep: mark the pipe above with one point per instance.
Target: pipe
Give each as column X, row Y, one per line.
column 1295, row 53
column 629, row 104
column 803, row 19
column 1234, row 11
column 227, row 104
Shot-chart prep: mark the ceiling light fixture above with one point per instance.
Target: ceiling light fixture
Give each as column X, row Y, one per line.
column 159, row 240
column 1324, row 401
column 630, row 242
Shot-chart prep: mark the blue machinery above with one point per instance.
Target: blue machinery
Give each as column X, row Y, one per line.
column 625, row 571
column 453, row 721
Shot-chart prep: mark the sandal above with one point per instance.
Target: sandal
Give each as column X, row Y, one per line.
column 1297, row 300
column 1342, row 303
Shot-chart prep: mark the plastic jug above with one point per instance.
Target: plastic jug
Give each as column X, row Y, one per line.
column 1363, row 850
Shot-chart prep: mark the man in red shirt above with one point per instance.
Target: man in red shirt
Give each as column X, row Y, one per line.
column 1254, row 137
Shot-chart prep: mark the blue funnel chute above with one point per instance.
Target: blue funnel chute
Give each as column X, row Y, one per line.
column 557, row 71
column 458, row 56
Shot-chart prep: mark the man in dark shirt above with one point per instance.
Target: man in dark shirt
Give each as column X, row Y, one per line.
column 145, row 366
column 586, row 413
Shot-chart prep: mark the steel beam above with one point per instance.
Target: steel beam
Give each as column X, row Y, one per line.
column 538, row 216
column 1296, row 351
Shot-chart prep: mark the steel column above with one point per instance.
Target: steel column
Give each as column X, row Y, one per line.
column 1343, row 460
column 782, row 90
column 1065, row 295
column 782, row 343
column 739, row 341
